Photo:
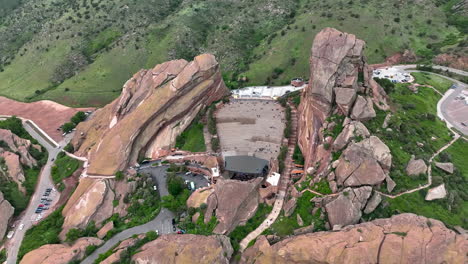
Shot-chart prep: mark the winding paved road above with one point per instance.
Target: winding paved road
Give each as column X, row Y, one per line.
column 162, row 222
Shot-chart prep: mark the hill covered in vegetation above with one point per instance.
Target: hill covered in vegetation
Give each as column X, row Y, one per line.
column 80, row 53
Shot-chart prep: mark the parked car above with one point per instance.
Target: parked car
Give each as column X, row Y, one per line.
column 41, row 205
column 173, row 221
column 174, row 228
column 21, row 226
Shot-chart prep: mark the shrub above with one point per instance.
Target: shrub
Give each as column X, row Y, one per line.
column 175, row 185
column 119, row 175
column 68, row 127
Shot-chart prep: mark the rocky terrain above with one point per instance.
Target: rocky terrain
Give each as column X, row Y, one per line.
column 233, row 203
column 15, row 153
column 14, row 156
column 341, row 88
column 60, row 253
column 405, row 238
column 186, row 249
column 155, row 106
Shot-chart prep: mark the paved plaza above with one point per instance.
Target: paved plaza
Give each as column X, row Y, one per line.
column 250, row 127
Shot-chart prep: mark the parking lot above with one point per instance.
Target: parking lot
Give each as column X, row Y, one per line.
column 393, row 74
column 159, row 176
column 45, row 205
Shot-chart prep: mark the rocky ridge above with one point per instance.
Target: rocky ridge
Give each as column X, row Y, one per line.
column 186, row 249
column 405, row 238
column 341, row 86
column 155, row 106
column 6, row 212
column 60, row 253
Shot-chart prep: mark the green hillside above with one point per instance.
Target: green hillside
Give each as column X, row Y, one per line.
column 80, row 53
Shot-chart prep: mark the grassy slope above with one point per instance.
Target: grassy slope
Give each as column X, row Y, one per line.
column 374, row 25
column 235, row 31
column 419, row 129
column 441, row 84
column 193, row 139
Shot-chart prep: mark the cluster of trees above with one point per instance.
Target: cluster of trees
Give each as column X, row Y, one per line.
column 386, row 84
column 75, row 233
column 74, row 121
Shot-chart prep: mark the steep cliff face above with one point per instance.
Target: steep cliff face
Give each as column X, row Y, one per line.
column 155, row 106
column 338, row 73
column 186, row 249
column 405, row 238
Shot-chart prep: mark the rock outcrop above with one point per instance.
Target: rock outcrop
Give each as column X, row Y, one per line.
column 445, row 166
column 155, row 106
column 404, row 238
column 435, row 193
column 345, row 209
column 199, row 197
column 60, row 253
column 14, row 155
column 186, row 249
column 338, row 73
column 233, row 202
column 350, row 131
column 6, row 212
column 117, row 251
column 416, row 167
column 364, row 163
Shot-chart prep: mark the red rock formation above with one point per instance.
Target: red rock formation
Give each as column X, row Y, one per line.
column 155, row 106
column 59, row 253
column 6, row 212
column 186, row 249
column 338, row 72
column 405, row 238
column 234, row 202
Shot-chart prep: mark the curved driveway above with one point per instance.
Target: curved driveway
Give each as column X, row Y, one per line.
column 162, row 222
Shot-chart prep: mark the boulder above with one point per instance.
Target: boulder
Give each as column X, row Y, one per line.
column 363, row 163
column 233, row 202
column 6, row 212
column 186, row 249
column 390, row 183
column 350, row 131
column 416, row 167
column 155, row 106
column 105, row 229
column 344, row 98
column 289, row 206
column 405, row 238
column 386, row 120
column 300, row 222
column 373, row 202
column 195, row 217
column 60, row 253
column 304, row 230
column 435, row 193
column 445, row 166
column 346, row 208
column 363, row 109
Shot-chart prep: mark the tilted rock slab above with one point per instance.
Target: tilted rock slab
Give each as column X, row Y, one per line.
column 155, row 106
column 445, row 166
column 186, row 249
column 18, row 145
column 405, row 238
column 435, row 193
column 416, row 167
column 6, row 212
column 60, row 253
column 233, row 202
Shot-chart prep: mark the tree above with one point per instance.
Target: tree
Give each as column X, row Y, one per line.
column 175, row 185
column 68, row 127
column 119, row 175
column 78, row 117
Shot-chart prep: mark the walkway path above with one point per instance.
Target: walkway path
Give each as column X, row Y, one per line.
column 207, row 136
column 282, row 187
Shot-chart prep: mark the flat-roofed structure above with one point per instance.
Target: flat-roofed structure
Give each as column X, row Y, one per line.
column 244, row 167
